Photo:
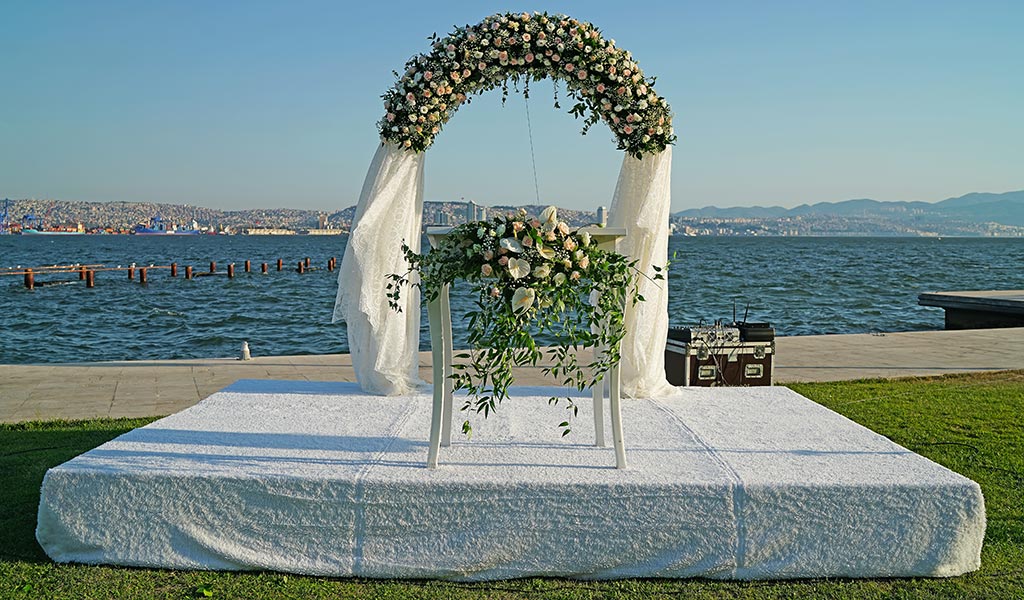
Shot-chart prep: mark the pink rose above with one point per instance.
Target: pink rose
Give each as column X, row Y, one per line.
column 569, row 67
column 488, row 254
column 495, row 292
column 503, row 261
column 529, row 57
column 584, row 262
column 549, row 236
column 486, row 270
column 575, row 276
column 628, row 129
column 534, row 223
column 600, row 88
column 528, row 242
column 428, row 75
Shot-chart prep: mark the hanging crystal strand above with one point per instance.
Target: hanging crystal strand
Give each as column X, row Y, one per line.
column 533, row 158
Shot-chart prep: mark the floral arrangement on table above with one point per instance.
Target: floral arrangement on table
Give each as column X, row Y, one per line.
column 604, row 81
column 530, row 275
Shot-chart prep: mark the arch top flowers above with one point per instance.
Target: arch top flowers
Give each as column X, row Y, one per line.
column 604, row 80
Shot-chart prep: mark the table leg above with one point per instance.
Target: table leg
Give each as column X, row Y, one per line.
column 437, row 360
column 598, row 393
column 617, row 438
column 446, row 334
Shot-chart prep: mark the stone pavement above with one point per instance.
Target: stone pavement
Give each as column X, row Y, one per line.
column 151, row 388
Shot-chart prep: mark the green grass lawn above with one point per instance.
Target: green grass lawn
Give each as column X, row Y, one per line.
column 973, row 424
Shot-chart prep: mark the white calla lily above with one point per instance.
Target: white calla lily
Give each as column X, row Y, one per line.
column 511, row 244
column 518, row 268
column 523, row 299
column 549, row 217
column 546, row 253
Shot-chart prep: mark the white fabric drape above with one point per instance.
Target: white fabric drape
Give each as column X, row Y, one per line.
column 384, row 344
column 641, row 205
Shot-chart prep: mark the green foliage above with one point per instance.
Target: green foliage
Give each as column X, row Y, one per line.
column 530, row 276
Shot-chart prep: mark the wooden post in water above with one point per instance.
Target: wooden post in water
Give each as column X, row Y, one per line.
column 90, row 279
column 248, row 267
column 330, row 264
column 30, row 279
column 307, row 262
column 142, row 275
column 131, row 273
column 231, row 271
column 213, row 266
column 302, row 267
column 280, row 264
column 263, row 268
column 188, row 272
column 174, row 269
column 81, row 273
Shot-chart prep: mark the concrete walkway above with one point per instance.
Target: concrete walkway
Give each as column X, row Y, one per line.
column 151, row 388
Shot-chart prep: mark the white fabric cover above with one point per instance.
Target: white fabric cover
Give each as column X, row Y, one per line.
column 321, row 479
column 384, row 344
column 641, row 204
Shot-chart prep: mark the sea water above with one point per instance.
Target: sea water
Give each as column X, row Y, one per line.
column 803, row 286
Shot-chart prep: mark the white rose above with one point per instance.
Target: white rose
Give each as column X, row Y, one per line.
column 559, row 278
column 585, row 238
column 518, row 268
column 523, row 299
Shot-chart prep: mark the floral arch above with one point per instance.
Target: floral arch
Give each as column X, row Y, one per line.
column 605, row 84
column 604, row 80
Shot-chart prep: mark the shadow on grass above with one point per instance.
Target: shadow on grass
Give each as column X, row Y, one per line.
column 27, row 450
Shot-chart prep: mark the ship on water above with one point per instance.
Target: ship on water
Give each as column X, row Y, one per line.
column 158, row 226
column 33, row 225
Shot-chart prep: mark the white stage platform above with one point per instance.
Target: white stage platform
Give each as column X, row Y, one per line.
column 317, row 478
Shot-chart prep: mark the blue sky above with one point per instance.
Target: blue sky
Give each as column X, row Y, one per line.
column 274, row 104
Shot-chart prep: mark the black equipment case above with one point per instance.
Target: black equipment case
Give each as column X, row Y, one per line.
column 736, row 354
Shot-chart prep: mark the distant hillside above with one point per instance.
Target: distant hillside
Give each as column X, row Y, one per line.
column 1006, row 209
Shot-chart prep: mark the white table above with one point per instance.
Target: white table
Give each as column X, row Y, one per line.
column 440, row 319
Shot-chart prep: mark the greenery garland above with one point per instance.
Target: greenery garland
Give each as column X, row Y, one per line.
column 530, row 275
column 604, row 81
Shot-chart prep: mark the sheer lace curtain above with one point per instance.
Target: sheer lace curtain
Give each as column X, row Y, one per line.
column 642, row 204
column 384, row 344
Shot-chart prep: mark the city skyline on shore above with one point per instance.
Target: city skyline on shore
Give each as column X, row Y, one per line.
column 260, row 105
